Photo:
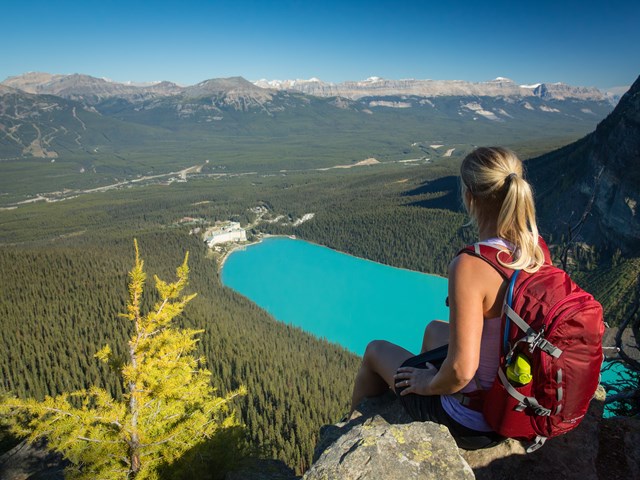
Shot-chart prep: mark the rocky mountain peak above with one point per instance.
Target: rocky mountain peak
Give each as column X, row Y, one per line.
column 231, row 86
column 164, row 88
column 561, row 91
column 30, row 82
column 85, row 87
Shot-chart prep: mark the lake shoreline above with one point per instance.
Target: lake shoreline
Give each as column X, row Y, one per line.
column 242, row 246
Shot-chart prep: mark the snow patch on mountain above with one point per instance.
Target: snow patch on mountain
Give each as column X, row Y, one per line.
column 479, row 110
column 384, row 103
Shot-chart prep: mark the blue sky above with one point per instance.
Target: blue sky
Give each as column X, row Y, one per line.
column 581, row 43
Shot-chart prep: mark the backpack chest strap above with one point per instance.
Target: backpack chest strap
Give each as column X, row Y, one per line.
column 533, row 338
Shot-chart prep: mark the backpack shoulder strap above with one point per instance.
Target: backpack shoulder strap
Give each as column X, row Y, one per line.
column 490, row 253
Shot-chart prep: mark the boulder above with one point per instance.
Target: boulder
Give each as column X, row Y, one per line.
column 387, row 445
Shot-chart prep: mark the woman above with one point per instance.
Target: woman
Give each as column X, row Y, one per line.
column 500, row 201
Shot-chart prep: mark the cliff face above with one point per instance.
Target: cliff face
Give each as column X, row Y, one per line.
column 599, row 179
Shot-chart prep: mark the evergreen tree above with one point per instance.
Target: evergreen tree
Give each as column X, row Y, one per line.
column 168, row 407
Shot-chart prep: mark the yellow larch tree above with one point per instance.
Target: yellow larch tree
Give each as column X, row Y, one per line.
column 169, row 405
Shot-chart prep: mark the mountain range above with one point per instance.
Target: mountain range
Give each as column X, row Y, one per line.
column 168, row 104
column 78, row 86
column 92, row 132
column 376, row 86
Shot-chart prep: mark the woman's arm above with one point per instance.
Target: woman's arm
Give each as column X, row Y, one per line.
column 473, row 287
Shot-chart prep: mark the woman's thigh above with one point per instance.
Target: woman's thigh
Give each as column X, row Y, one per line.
column 385, row 358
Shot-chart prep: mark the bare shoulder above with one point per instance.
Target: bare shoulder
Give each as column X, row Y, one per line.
column 470, row 266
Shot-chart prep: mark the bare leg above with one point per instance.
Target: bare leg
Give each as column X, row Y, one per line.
column 379, row 364
column 436, row 334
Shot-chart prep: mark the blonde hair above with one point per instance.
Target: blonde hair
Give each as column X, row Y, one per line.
column 494, row 190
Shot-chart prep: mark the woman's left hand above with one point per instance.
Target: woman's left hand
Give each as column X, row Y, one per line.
column 415, row 380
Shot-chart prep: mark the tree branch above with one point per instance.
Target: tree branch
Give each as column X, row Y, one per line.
column 626, row 395
column 93, row 440
column 70, row 414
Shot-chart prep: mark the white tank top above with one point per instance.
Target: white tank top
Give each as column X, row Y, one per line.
column 487, row 368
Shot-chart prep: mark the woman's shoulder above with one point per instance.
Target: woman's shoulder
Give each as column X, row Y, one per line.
column 471, row 277
column 466, row 263
column 472, row 268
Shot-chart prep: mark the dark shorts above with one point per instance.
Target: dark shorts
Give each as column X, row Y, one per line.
column 424, row 408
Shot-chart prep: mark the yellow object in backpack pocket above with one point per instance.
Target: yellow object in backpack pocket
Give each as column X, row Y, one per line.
column 519, row 371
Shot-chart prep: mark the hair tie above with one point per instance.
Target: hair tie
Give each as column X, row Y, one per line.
column 511, row 176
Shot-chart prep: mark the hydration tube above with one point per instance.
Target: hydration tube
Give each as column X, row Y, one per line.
column 509, row 301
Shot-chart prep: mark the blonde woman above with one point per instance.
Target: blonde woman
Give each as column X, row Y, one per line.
column 500, row 201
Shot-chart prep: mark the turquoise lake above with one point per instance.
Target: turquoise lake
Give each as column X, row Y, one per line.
column 347, row 300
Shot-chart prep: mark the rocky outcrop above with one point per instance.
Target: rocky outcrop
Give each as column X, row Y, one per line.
column 381, row 440
column 378, row 450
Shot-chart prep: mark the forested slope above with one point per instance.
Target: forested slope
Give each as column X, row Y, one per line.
column 64, row 282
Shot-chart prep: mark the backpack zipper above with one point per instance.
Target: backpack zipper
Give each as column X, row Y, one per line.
column 556, row 307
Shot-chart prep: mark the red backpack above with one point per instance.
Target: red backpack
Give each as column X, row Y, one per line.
column 558, row 328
